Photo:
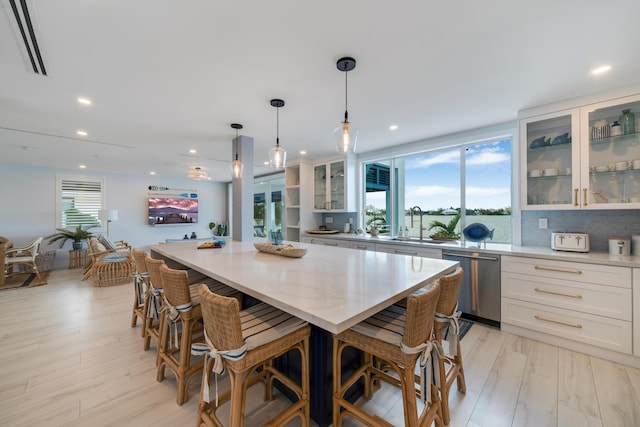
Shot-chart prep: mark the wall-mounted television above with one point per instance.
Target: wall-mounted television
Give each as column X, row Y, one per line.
column 172, row 211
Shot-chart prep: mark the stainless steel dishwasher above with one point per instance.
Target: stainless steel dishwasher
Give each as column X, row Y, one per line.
column 479, row 297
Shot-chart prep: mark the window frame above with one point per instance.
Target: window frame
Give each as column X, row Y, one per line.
column 62, row 179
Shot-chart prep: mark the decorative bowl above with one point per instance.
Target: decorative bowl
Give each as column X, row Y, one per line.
column 477, row 232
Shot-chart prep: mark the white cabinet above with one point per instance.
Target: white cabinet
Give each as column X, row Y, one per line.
column 391, row 248
column 587, row 303
column 334, row 186
column 298, row 214
column 363, row 246
column 325, row 241
column 573, row 159
column 636, row 311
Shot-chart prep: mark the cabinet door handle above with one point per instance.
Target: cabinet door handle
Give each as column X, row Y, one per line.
column 562, row 294
column 398, row 251
column 584, row 197
column 361, row 247
column 329, row 244
column 560, row 270
column 576, row 198
column 576, row 325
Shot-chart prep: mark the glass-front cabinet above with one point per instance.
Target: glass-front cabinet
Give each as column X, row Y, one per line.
column 330, row 190
column 586, row 157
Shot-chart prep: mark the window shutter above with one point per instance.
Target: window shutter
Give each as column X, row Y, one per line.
column 80, row 199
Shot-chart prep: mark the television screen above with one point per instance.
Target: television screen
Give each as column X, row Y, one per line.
column 168, row 211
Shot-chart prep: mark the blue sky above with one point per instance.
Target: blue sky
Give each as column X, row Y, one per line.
column 433, row 179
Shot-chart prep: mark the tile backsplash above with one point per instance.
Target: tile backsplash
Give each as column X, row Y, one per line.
column 338, row 220
column 600, row 225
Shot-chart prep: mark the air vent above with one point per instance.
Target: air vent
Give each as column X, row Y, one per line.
column 26, row 34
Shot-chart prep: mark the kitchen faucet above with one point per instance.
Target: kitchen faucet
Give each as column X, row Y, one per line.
column 411, row 215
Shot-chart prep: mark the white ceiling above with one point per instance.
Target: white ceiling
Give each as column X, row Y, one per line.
column 166, row 76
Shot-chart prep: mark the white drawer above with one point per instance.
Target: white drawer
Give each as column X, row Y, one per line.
column 601, row 300
column 363, row 246
column 326, row 242
column 409, row 250
column 574, row 271
column 612, row 334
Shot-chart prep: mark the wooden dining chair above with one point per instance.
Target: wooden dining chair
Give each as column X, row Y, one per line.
column 395, row 338
column 244, row 343
column 450, row 364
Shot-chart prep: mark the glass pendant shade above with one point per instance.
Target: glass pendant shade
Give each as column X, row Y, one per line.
column 277, row 157
column 346, row 137
column 237, row 168
column 277, row 154
column 197, row 174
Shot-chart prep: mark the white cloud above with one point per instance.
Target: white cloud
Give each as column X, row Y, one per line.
column 452, row 157
column 487, row 157
column 486, row 192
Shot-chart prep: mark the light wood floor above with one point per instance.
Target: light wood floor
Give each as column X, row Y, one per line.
column 69, row 357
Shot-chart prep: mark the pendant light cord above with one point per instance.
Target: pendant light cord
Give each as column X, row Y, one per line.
column 346, row 97
column 278, row 126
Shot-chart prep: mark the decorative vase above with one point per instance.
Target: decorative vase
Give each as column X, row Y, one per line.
column 628, row 122
column 76, row 245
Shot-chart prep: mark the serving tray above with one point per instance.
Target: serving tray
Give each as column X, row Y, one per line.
column 283, row 250
column 322, row 231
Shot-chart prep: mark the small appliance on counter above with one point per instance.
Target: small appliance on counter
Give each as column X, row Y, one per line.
column 571, row 242
column 620, row 246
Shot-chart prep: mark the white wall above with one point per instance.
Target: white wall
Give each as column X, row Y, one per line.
column 28, row 203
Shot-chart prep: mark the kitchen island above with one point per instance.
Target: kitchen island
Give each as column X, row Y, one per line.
column 331, row 288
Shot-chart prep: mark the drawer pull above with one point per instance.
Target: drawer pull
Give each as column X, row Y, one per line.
column 361, row 247
column 576, row 198
column 562, row 294
column 329, row 244
column 577, row 325
column 404, row 252
column 560, row 270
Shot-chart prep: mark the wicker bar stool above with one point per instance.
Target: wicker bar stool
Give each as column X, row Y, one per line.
column 140, row 285
column 244, row 343
column 181, row 313
column 398, row 338
column 153, row 302
column 446, row 314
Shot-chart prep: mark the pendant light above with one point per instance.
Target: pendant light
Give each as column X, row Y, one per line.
column 237, row 166
column 277, row 155
column 197, row 174
column 346, row 135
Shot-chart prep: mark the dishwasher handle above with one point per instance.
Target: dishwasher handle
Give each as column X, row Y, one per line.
column 487, row 258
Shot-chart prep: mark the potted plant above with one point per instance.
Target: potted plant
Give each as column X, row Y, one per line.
column 445, row 231
column 79, row 234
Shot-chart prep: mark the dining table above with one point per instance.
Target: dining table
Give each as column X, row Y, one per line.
column 332, row 288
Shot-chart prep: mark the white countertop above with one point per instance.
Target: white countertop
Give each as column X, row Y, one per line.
column 498, row 248
column 332, row 288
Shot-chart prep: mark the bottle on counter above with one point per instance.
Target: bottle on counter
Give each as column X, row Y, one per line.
column 193, row 235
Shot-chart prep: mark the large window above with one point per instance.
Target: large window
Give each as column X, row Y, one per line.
column 453, row 186
column 79, row 200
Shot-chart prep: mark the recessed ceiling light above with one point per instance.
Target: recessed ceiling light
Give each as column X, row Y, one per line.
column 303, row 152
column 601, row 70
column 84, row 101
column 210, row 179
column 393, row 127
column 192, row 151
column 81, row 133
column 83, row 166
column 152, row 173
column 266, row 163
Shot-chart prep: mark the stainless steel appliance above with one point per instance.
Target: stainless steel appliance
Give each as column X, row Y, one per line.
column 479, row 297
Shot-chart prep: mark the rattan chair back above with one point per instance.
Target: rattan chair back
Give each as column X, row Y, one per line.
column 450, row 288
column 221, row 319
column 421, row 309
column 176, row 285
column 139, row 259
column 153, row 268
